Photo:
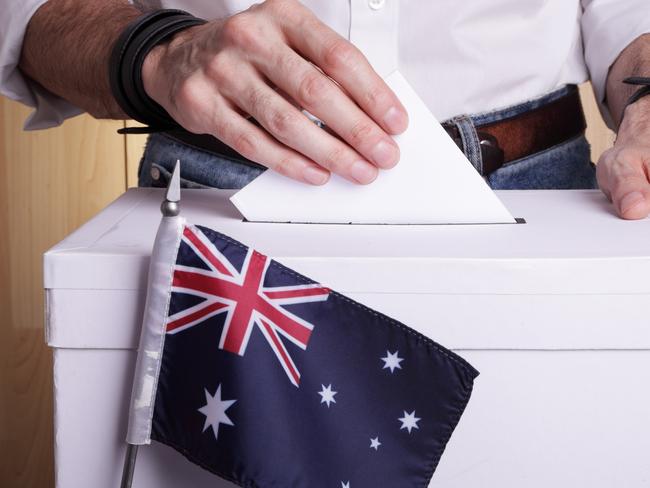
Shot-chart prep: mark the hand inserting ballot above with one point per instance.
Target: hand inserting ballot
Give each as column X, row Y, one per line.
column 268, row 62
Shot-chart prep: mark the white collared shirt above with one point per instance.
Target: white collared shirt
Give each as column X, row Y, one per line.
column 462, row 57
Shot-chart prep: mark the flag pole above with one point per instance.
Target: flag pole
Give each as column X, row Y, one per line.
column 170, row 207
column 129, row 466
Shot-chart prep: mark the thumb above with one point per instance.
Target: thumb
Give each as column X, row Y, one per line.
column 625, row 178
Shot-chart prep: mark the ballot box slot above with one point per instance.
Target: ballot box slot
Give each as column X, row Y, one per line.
column 518, row 220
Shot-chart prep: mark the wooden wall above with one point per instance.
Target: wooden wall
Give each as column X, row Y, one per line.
column 50, row 183
column 600, row 137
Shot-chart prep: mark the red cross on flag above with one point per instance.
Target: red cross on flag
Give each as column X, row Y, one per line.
column 244, row 298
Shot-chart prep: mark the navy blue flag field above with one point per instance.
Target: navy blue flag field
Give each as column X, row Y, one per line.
column 269, row 379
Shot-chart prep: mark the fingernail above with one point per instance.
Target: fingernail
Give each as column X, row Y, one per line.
column 363, row 172
column 385, row 154
column 315, row 176
column 631, row 200
column 395, row 120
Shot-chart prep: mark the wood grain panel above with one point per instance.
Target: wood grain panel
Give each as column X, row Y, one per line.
column 134, row 148
column 599, row 135
column 50, row 183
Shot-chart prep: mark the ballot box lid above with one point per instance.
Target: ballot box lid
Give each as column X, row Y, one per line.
column 571, row 245
column 571, row 242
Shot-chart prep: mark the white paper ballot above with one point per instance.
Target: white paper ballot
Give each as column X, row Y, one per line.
column 433, row 183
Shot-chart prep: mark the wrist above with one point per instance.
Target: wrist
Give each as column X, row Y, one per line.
column 163, row 62
column 151, row 79
column 635, row 125
column 126, row 65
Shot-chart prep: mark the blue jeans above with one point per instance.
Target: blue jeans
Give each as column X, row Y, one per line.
column 565, row 166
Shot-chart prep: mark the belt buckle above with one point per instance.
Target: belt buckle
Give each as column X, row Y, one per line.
column 491, row 153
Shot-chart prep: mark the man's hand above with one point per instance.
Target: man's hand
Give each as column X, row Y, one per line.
column 624, row 170
column 269, row 62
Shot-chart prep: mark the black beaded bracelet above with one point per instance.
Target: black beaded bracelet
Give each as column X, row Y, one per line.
column 643, row 82
column 127, row 58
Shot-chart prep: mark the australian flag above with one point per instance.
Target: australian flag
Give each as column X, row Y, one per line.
column 269, row 379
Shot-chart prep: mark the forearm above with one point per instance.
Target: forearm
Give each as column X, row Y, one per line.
column 633, row 61
column 67, row 46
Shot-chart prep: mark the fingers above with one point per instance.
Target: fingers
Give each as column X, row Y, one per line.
column 624, row 177
column 228, row 65
column 315, row 92
column 201, row 104
column 292, row 128
column 255, row 144
column 347, row 66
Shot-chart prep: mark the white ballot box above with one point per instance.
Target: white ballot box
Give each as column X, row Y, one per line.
column 554, row 313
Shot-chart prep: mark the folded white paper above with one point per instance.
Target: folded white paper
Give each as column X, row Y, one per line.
column 433, row 183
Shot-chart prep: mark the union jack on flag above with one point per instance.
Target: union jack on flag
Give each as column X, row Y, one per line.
column 242, row 296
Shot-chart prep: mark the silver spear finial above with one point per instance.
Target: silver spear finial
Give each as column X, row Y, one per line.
column 170, row 207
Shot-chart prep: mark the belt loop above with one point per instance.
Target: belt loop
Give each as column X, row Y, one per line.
column 470, row 139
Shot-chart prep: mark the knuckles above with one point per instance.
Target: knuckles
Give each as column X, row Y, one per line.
column 249, row 29
column 374, row 97
column 242, row 30
column 623, row 162
column 628, row 156
column 620, row 162
column 339, row 54
column 312, row 87
column 281, row 124
column 220, row 69
column 360, row 133
column 245, row 144
column 284, row 166
column 335, row 160
column 259, row 102
column 284, row 9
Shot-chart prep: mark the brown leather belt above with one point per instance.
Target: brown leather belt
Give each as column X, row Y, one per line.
column 533, row 131
column 501, row 142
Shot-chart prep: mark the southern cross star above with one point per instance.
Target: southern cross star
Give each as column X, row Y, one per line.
column 374, row 443
column 215, row 411
column 391, row 361
column 327, row 395
column 409, row 421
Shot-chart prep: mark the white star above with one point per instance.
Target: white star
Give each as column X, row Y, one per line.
column 409, row 421
column 327, row 395
column 345, row 485
column 374, row 443
column 392, row 361
column 215, row 411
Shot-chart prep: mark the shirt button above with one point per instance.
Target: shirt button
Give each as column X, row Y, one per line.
column 155, row 173
column 376, row 4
